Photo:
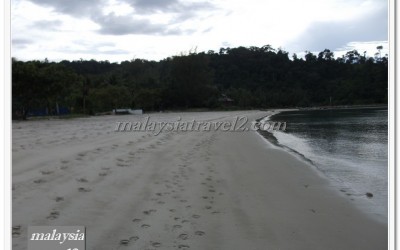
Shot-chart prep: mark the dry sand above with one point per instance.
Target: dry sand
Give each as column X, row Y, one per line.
column 178, row 190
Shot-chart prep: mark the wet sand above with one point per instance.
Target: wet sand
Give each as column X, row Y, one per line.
column 177, row 190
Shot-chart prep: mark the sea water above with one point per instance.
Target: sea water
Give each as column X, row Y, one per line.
column 349, row 147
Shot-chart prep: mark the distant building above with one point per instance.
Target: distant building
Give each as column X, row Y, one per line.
column 128, row 111
column 225, row 100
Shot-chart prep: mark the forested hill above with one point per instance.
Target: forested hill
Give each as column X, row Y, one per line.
column 231, row 78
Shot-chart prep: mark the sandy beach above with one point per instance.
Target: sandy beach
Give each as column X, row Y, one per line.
column 178, row 190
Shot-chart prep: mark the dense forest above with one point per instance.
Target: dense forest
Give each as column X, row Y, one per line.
column 233, row 78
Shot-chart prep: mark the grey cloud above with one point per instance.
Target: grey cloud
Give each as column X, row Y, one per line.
column 124, row 25
column 182, row 11
column 334, row 35
column 152, row 5
column 112, row 24
column 167, row 6
column 20, row 42
column 47, row 24
column 77, row 8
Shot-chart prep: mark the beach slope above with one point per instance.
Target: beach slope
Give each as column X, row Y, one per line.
column 177, row 190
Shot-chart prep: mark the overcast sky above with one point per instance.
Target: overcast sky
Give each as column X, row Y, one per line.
column 118, row 30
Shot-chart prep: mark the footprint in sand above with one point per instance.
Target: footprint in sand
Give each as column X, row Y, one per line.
column 122, row 165
column 46, row 172
column 199, row 233
column 59, row 198
column 39, row 181
column 177, row 226
column 183, row 247
column 136, row 220
column 148, row 212
column 16, row 231
column 208, row 207
column 103, row 174
column 134, row 238
column 63, row 167
column 84, row 190
column 156, row 244
column 145, row 226
column 81, row 180
column 53, row 215
column 183, row 236
column 196, row 216
column 124, row 242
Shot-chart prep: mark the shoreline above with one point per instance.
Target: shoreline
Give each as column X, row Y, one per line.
column 359, row 199
column 203, row 190
column 199, row 110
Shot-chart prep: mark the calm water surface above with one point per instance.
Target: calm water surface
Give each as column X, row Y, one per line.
column 349, row 146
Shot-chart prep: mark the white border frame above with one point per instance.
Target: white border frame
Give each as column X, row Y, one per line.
column 393, row 126
column 392, row 92
column 5, row 135
column 6, row 132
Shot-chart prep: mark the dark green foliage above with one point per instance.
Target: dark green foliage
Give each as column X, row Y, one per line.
column 189, row 82
column 42, row 85
column 250, row 77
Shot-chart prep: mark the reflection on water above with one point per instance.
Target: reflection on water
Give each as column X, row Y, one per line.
column 350, row 146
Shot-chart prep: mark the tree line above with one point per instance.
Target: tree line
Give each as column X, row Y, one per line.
column 232, row 78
